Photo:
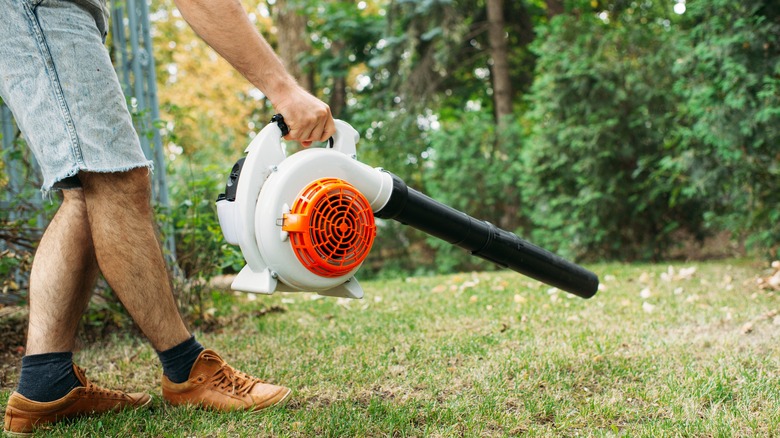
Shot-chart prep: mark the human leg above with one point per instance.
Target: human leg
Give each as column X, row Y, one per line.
column 39, row 52
column 67, row 100
column 128, row 252
column 61, row 281
column 63, row 274
column 131, row 260
column 65, row 268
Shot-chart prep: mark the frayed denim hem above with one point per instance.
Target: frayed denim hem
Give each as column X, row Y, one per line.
column 68, row 181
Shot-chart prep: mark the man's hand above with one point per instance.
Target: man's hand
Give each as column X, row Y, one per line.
column 308, row 118
column 224, row 25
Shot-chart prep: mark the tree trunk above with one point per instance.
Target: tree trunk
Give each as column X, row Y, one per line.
column 292, row 40
column 338, row 96
column 502, row 86
column 338, row 91
column 554, row 7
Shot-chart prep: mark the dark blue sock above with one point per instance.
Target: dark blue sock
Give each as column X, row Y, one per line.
column 177, row 361
column 47, row 377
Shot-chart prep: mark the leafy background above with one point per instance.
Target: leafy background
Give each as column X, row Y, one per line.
column 635, row 133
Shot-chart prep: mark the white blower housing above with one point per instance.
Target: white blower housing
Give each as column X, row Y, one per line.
column 303, row 222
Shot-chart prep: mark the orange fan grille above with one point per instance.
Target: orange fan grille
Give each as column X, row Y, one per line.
column 331, row 227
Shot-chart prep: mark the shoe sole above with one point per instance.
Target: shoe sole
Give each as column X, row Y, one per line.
column 210, row 407
column 9, row 433
column 283, row 400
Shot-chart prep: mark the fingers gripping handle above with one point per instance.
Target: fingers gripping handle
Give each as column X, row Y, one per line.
column 344, row 140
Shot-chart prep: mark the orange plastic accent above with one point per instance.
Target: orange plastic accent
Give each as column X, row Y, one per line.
column 331, row 227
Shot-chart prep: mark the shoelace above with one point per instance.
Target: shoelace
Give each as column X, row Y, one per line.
column 228, row 377
column 91, row 388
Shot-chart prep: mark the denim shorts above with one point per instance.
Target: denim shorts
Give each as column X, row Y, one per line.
column 56, row 77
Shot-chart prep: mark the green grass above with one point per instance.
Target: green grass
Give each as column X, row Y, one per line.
column 488, row 354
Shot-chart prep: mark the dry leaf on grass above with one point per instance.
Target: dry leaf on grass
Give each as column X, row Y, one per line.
column 772, row 280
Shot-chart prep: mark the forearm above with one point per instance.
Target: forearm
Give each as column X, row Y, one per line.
column 224, row 25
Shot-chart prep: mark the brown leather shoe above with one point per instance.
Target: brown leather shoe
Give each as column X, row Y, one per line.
column 23, row 415
column 214, row 384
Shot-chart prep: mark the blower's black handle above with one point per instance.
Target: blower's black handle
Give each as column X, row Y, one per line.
column 485, row 240
column 279, row 120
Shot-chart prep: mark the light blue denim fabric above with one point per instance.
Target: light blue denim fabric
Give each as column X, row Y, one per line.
column 56, row 77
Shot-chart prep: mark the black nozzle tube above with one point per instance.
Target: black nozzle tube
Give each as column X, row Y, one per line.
column 485, row 240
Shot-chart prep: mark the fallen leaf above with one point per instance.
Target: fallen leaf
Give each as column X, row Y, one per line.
column 668, row 276
column 687, row 273
column 774, row 281
column 439, row 289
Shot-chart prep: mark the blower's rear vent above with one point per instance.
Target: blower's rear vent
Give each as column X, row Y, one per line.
column 331, row 227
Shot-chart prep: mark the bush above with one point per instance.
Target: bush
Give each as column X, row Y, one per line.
column 604, row 123
column 201, row 250
column 475, row 168
column 729, row 137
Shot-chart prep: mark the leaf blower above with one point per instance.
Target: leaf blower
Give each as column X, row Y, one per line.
column 306, row 222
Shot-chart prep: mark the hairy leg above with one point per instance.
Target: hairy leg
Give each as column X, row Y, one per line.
column 63, row 274
column 129, row 254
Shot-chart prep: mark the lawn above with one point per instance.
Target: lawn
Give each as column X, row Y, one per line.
column 662, row 350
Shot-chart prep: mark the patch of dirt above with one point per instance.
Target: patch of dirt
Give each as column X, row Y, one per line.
column 719, row 246
column 210, row 323
column 13, row 332
column 761, row 330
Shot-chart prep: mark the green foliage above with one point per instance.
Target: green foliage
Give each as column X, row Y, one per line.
column 201, row 249
column 602, row 117
column 23, row 215
column 729, row 139
column 342, row 36
column 647, row 128
column 474, row 169
column 641, row 127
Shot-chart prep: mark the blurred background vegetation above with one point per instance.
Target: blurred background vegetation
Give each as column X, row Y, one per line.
column 601, row 130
